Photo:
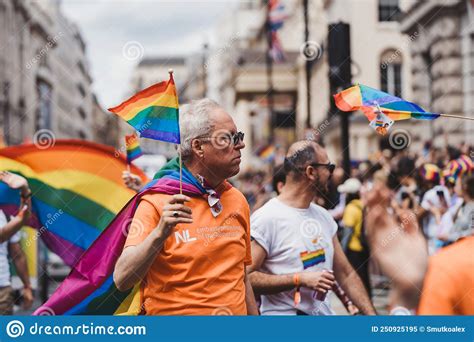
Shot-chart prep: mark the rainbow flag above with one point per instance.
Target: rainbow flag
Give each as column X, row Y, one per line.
column 89, row 289
column 153, row 112
column 267, row 153
column 312, row 258
column 132, row 144
column 77, row 191
column 370, row 100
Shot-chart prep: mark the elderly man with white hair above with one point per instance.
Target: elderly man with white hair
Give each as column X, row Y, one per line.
column 191, row 254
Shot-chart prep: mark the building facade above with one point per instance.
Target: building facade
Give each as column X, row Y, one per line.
column 443, row 64
column 44, row 74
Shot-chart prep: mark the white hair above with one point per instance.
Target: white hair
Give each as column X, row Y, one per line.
column 194, row 121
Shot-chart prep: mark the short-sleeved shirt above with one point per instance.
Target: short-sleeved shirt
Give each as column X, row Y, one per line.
column 4, row 265
column 352, row 218
column 295, row 240
column 201, row 267
column 448, row 288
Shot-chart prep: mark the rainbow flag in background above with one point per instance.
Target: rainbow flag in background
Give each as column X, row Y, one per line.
column 312, row 258
column 90, row 289
column 153, row 112
column 370, row 100
column 133, row 147
column 77, row 191
column 267, row 153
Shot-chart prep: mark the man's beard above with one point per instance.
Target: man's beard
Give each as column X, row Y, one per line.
column 319, row 188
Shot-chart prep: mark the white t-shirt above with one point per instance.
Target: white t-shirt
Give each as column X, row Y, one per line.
column 296, row 240
column 4, row 266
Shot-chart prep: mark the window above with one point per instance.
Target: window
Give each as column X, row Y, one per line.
column 43, row 113
column 82, row 113
column 389, row 10
column 391, row 72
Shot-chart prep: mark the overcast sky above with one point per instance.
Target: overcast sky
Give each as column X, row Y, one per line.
column 118, row 31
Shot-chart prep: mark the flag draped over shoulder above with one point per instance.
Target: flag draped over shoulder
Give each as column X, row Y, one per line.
column 77, row 190
column 153, row 112
column 89, row 289
column 370, row 100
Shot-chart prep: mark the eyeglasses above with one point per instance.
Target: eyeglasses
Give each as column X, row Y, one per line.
column 225, row 139
column 331, row 167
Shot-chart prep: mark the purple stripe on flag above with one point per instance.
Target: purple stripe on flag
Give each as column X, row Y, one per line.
column 172, row 137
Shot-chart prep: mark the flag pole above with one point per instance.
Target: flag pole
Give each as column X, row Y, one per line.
column 456, row 116
column 170, row 71
column 180, row 171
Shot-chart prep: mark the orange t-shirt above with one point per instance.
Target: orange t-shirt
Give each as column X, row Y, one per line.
column 448, row 288
column 201, row 268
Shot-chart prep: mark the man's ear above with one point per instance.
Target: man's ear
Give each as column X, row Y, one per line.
column 310, row 173
column 196, row 146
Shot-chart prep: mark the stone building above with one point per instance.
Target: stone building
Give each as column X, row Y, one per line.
column 443, row 64
column 45, row 81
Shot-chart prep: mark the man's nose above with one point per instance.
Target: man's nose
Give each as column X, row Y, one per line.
column 240, row 145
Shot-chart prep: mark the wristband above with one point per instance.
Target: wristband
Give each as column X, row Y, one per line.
column 296, row 281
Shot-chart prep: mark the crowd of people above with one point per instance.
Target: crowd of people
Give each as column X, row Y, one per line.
column 278, row 243
column 424, row 206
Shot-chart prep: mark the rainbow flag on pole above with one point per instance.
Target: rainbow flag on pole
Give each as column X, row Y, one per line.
column 153, row 112
column 370, row 100
column 133, row 147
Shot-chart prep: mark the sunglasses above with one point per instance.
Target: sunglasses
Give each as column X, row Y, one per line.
column 331, row 167
column 226, row 139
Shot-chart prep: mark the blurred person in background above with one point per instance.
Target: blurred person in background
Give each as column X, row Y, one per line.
column 433, row 209
column 10, row 246
column 356, row 248
column 448, row 288
column 396, row 244
column 336, row 200
column 464, row 216
column 279, row 179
